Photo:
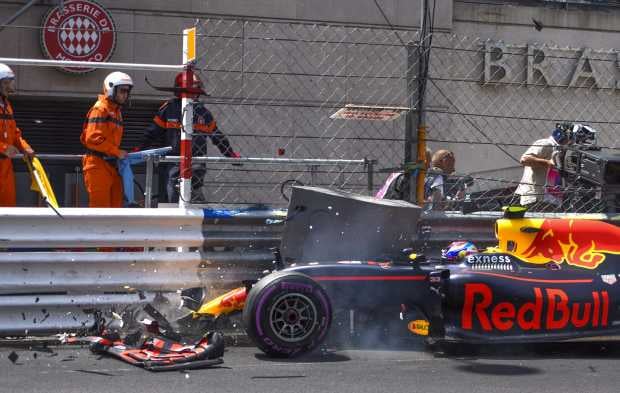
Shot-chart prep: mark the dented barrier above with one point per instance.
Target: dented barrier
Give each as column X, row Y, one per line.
column 59, row 267
column 38, row 314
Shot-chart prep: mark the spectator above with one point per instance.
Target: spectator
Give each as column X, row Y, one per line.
column 166, row 131
column 11, row 141
column 101, row 135
column 536, row 161
column 394, row 187
column 442, row 165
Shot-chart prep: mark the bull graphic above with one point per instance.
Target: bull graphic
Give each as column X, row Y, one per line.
column 578, row 242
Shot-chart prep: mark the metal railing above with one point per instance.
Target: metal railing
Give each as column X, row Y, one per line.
column 310, row 165
column 259, row 166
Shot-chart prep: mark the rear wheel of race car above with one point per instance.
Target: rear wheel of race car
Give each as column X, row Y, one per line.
column 287, row 314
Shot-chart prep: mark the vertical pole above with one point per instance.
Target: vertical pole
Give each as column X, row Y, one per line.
column 410, row 125
column 76, row 196
column 422, row 75
column 415, row 149
column 312, row 175
column 148, row 183
column 371, row 172
column 185, row 170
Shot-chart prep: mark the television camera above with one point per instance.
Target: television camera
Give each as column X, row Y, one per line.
column 592, row 176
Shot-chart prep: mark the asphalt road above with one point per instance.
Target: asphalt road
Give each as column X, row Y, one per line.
column 541, row 369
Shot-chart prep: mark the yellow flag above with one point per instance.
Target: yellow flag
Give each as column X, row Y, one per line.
column 40, row 182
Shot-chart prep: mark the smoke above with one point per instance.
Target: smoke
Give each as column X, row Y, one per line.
column 372, row 330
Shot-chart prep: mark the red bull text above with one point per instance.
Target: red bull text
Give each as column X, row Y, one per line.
column 551, row 309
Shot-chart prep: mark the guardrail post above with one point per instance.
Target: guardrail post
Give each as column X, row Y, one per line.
column 76, row 195
column 148, row 186
column 370, row 168
column 313, row 175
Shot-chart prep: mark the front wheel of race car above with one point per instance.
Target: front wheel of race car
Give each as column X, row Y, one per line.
column 287, row 314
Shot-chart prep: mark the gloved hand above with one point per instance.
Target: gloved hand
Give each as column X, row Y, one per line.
column 236, row 154
column 29, row 152
column 10, row 151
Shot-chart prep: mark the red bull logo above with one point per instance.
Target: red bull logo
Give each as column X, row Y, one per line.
column 234, row 299
column 551, row 309
column 578, row 242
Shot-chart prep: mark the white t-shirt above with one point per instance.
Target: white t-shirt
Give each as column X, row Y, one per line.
column 531, row 188
column 437, row 184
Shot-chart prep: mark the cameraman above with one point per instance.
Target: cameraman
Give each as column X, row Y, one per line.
column 536, row 161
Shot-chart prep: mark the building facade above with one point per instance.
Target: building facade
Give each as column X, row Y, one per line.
column 276, row 71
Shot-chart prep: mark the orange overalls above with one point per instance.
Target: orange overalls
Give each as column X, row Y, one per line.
column 102, row 134
column 9, row 135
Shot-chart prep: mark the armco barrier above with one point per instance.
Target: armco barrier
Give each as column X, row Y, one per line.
column 52, row 278
column 42, row 314
column 83, row 227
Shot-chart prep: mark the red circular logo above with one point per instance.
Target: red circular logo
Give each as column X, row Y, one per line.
column 81, row 31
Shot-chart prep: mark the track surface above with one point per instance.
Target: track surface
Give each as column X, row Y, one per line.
column 547, row 368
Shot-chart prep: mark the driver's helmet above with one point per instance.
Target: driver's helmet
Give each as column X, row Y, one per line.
column 458, row 250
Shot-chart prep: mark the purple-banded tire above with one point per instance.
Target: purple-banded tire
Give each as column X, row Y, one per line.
column 287, row 314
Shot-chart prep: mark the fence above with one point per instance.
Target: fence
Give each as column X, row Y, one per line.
column 274, row 86
column 489, row 101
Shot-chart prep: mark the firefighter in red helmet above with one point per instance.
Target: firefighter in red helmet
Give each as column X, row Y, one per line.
column 165, row 130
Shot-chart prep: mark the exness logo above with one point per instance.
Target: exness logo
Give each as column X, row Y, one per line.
column 488, row 259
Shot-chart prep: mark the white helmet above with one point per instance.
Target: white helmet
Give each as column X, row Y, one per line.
column 115, row 79
column 6, row 72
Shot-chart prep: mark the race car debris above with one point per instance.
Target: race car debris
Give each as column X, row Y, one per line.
column 13, row 356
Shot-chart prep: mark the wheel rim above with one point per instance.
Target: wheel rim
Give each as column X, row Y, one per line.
column 292, row 317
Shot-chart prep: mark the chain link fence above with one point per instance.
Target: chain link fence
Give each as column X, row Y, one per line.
column 274, row 85
column 490, row 101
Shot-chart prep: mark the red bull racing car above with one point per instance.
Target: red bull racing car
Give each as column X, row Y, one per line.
column 546, row 280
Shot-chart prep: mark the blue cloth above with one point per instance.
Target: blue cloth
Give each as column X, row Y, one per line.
column 124, row 169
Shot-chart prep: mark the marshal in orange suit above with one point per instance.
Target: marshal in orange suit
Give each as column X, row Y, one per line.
column 11, row 141
column 101, row 135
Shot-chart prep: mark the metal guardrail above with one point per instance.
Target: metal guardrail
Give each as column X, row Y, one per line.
column 98, row 272
column 86, row 227
column 58, row 289
column 43, row 314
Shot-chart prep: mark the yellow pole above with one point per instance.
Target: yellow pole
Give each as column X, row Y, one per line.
column 421, row 165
